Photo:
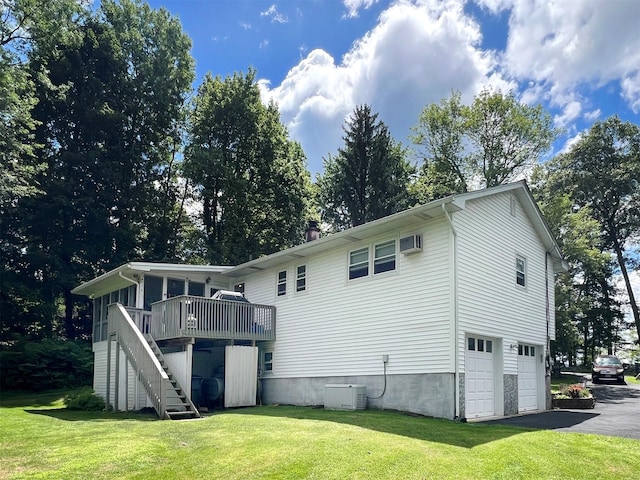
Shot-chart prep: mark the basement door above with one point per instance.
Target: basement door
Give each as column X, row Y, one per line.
column 527, row 378
column 240, row 376
column 479, row 378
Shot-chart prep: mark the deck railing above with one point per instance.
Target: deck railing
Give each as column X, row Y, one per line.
column 191, row 316
column 145, row 363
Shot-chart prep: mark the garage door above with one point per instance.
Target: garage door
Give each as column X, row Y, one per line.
column 527, row 378
column 479, row 378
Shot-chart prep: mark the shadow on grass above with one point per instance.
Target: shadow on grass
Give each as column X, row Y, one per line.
column 85, row 416
column 465, row 435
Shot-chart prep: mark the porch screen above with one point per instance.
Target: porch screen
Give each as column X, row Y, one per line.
column 152, row 290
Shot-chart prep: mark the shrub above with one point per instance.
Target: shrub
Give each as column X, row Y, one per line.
column 45, row 365
column 84, row 399
column 576, row 390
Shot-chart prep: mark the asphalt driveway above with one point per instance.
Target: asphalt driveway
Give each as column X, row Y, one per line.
column 616, row 413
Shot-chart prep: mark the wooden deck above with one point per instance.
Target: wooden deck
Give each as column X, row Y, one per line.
column 200, row 317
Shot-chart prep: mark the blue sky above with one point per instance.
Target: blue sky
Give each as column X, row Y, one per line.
column 319, row 59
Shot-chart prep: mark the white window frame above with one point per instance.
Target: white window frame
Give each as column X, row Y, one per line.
column 301, row 278
column 360, row 265
column 521, row 273
column 267, row 362
column 281, row 283
column 384, row 259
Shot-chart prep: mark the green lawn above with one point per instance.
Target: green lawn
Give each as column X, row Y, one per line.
column 42, row 440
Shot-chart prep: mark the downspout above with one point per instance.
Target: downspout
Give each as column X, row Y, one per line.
column 456, row 373
column 547, row 370
column 547, row 311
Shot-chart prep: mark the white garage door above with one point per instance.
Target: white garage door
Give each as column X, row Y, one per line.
column 478, row 375
column 527, row 378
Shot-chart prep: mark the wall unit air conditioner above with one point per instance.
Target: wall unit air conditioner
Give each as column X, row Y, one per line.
column 411, row 244
column 345, row 397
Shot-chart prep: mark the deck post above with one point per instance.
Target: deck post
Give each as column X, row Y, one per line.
column 108, row 370
column 116, row 389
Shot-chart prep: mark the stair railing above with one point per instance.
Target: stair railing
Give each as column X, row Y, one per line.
column 145, row 363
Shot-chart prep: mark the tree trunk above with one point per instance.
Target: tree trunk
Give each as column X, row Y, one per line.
column 627, row 282
column 69, row 326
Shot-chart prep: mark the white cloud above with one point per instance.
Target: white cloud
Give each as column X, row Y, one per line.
column 263, row 44
column 245, row 25
column 593, row 115
column 276, row 16
column 564, row 45
column 570, row 113
column 353, row 6
column 570, row 142
column 416, row 54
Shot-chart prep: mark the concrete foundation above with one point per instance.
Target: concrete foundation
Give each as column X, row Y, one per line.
column 425, row 394
column 510, row 394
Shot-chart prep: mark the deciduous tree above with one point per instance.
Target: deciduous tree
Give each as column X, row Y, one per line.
column 251, row 179
column 494, row 140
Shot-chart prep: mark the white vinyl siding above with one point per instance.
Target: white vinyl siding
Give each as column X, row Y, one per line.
column 491, row 303
column 136, row 393
column 342, row 328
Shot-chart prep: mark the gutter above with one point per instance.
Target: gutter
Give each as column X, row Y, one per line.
column 456, row 375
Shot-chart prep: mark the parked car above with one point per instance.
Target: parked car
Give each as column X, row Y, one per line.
column 607, row 367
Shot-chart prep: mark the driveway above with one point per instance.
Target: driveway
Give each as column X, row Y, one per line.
column 616, row 414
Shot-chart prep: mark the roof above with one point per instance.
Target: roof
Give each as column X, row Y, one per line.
column 406, row 218
column 125, row 275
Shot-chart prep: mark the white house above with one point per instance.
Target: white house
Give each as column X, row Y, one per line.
column 445, row 309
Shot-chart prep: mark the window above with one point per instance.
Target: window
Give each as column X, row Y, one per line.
column 359, row 263
column 282, row 283
column 521, row 266
column 267, row 362
column 104, row 318
column 527, row 350
column 175, row 287
column 152, row 291
column 385, row 257
column 97, row 312
column 301, row 278
column 471, row 343
column 196, row 289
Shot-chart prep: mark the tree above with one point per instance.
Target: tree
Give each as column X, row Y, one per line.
column 23, row 24
column 250, row 178
column 602, row 172
column 492, row 141
column 108, row 112
column 368, row 178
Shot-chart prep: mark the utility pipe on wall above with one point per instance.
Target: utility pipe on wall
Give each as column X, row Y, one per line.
column 456, row 374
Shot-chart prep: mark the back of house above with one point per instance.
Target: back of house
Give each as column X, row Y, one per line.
column 445, row 309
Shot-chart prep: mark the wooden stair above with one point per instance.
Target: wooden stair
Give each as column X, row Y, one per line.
column 179, row 406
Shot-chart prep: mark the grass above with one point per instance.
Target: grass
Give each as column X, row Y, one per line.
column 42, row 440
